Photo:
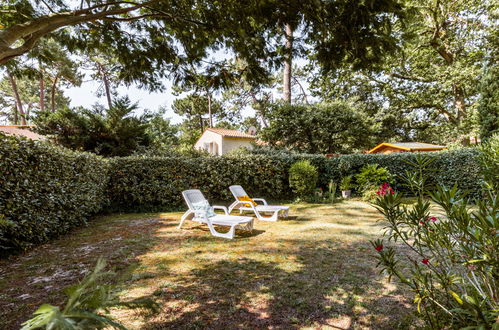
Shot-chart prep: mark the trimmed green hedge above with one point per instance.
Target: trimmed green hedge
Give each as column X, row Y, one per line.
column 459, row 167
column 151, row 184
column 45, row 191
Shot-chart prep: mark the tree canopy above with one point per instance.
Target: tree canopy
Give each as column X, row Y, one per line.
column 152, row 38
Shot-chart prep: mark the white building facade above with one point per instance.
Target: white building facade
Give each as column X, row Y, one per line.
column 219, row 141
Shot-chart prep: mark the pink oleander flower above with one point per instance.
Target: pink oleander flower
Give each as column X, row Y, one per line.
column 385, row 189
column 379, row 248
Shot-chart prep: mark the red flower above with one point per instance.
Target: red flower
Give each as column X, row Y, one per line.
column 421, row 223
column 385, row 189
column 434, row 219
column 425, row 261
column 379, row 248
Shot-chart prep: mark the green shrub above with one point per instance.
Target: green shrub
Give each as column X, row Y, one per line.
column 372, row 176
column 45, row 191
column 346, row 183
column 303, row 178
column 459, row 167
column 453, row 264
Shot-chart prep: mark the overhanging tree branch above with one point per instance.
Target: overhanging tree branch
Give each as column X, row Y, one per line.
column 30, row 32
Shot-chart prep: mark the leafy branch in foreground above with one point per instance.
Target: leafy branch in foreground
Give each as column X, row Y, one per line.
column 87, row 307
column 454, row 264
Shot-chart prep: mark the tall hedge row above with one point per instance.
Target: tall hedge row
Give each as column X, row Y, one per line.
column 45, row 191
column 459, row 167
column 148, row 184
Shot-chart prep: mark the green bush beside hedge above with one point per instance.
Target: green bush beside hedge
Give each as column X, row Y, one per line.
column 46, row 190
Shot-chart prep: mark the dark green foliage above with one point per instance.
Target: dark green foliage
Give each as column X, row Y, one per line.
column 45, row 191
column 320, row 128
column 489, row 161
column 156, row 183
column 372, row 175
column 303, row 178
column 488, row 108
column 115, row 132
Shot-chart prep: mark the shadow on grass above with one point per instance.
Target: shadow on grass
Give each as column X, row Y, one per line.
column 41, row 275
column 326, row 290
column 221, row 229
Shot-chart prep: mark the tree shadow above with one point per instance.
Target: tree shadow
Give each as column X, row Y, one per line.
column 240, row 233
column 247, row 293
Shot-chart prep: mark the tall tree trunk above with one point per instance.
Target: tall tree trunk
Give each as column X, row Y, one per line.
column 107, row 87
column 209, row 110
column 19, row 104
column 288, row 62
column 459, row 102
column 42, row 88
column 52, row 92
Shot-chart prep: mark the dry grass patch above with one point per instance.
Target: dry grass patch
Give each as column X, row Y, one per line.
column 314, row 270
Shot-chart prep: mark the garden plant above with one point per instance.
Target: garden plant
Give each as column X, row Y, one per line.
column 449, row 260
column 303, row 178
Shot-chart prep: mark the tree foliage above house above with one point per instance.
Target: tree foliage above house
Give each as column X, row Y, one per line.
column 334, row 127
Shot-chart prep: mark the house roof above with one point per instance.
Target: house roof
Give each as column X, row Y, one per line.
column 409, row 146
column 231, row 133
column 21, row 130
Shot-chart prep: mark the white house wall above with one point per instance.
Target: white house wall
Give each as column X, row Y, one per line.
column 229, row 144
column 209, row 137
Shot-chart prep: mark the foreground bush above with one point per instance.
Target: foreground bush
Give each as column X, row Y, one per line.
column 87, row 306
column 454, row 264
column 45, row 191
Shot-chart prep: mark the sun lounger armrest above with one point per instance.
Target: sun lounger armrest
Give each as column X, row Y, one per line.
column 215, row 207
column 261, row 200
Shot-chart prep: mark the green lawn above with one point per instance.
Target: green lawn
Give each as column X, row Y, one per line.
column 314, row 270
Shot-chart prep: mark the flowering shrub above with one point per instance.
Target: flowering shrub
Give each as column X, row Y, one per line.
column 385, row 189
column 453, row 266
column 369, row 179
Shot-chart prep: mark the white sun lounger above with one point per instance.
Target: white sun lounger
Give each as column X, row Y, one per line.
column 194, row 196
column 238, row 191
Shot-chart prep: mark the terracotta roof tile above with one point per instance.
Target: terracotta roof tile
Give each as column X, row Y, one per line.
column 231, row 133
column 21, row 131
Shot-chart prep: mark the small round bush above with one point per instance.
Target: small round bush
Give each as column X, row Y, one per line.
column 372, row 176
column 303, row 178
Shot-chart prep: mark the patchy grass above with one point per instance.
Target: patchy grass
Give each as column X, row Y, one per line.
column 314, row 270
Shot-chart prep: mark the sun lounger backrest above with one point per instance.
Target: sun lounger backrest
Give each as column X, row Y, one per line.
column 237, row 191
column 193, row 196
